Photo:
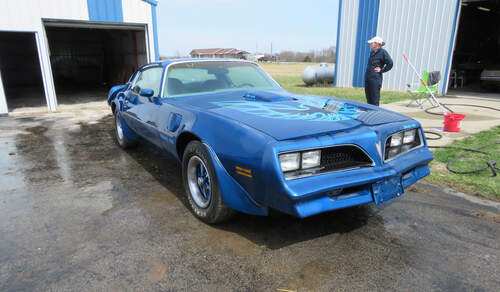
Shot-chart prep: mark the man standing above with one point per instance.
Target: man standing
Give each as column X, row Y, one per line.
column 378, row 63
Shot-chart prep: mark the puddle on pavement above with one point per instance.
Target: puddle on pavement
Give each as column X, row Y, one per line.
column 162, row 195
column 310, row 276
column 228, row 240
column 9, row 177
column 158, row 269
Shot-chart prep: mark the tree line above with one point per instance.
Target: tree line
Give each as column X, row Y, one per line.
column 317, row 56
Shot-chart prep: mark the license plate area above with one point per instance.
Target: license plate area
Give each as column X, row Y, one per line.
column 385, row 190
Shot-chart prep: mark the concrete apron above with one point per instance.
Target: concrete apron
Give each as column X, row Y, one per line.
column 477, row 119
column 82, row 112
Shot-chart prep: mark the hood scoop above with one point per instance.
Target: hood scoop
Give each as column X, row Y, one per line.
column 267, row 96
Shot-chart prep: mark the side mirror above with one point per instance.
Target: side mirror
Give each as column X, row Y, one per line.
column 146, row 92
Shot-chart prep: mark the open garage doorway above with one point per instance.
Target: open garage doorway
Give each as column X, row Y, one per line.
column 476, row 59
column 86, row 61
column 20, row 70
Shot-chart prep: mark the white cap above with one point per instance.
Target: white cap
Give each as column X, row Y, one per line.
column 376, row 39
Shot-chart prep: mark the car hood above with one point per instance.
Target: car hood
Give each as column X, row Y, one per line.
column 284, row 115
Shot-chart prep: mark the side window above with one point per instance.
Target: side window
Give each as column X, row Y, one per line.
column 150, row 79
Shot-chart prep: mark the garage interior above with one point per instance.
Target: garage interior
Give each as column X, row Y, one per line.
column 20, row 70
column 87, row 61
column 477, row 46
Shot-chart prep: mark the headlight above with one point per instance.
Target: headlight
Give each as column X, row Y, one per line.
column 311, row 159
column 409, row 136
column 396, row 139
column 401, row 142
column 290, row 161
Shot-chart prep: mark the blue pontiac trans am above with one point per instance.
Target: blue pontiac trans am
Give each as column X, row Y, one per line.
column 248, row 145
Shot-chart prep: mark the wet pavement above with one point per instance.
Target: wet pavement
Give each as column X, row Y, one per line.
column 79, row 213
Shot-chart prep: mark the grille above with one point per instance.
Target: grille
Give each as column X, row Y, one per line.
column 342, row 157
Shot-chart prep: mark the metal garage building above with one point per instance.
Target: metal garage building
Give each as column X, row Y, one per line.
column 445, row 35
column 69, row 51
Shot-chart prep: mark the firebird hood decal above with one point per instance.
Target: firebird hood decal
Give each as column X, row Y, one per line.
column 284, row 115
column 306, row 111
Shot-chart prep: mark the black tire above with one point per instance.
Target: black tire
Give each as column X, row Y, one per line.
column 122, row 141
column 211, row 210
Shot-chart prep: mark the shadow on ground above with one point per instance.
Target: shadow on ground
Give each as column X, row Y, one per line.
column 275, row 231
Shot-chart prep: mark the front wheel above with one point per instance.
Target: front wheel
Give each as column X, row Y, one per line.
column 201, row 185
column 123, row 141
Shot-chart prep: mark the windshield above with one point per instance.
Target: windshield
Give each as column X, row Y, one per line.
column 214, row 76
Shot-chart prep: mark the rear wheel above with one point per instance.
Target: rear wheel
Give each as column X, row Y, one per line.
column 123, row 141
column 202, row 186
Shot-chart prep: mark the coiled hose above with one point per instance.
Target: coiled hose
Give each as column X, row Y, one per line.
column 489, row 164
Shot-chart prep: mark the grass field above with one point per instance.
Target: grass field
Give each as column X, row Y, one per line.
column 482, row 183
column 289, row 76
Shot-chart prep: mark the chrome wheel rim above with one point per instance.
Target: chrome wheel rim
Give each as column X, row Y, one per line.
column 119, row 130
column 199, row 182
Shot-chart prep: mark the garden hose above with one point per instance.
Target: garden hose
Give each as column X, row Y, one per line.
column 438, row 136
column 445, row 105
column 492, row 165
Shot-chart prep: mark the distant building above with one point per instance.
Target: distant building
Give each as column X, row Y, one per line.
column 219, row 53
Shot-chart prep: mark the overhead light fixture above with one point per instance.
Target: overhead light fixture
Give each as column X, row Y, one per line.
column 483, row 8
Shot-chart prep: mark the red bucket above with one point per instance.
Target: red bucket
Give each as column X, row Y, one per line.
column 452, row 122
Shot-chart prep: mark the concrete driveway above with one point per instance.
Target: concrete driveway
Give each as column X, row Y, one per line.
column 481, row 113
column 78, row 213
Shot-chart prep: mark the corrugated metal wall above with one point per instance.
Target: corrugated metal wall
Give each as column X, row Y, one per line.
column 109, row 10
column 347, row 42
column 367, row 28
column 423, row 30
column 136, row 11
column 25, row 15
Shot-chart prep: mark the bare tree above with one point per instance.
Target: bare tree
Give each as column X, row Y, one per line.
column 322, row 55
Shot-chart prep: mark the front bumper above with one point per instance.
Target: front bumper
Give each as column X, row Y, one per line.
column 490, row 79
column 378, row 184
column 379, row 192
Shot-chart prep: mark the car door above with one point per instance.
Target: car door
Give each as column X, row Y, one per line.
column 169, row 116
column 140, row 110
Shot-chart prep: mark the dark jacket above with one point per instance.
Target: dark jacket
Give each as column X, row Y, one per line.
column 379, row 58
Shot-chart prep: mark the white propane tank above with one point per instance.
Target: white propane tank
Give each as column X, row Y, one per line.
column 318, row 74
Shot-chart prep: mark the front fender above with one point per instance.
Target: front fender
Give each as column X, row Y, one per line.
column 233, row 193
column 114, row 91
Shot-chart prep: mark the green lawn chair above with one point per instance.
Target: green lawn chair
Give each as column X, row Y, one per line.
column 421, row 95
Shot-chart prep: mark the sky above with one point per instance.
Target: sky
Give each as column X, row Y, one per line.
column 296, row 25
